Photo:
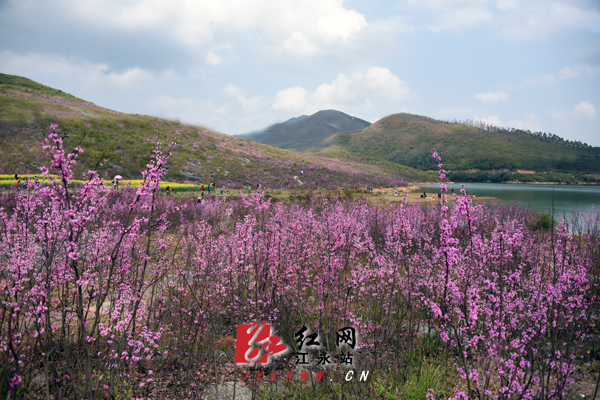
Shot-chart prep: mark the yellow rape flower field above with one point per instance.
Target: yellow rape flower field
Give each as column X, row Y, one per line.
column 6, row 181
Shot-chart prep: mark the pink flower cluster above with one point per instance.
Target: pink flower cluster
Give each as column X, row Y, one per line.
column 105, row 284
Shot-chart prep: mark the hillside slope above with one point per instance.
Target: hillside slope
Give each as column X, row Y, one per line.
column 408, row 139
column 126, row 141
column 312, row 133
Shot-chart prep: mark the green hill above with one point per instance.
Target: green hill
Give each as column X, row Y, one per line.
column 20, row 83
column 467, row 151
column 126, row 141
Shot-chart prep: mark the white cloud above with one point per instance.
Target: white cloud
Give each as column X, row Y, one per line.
column 455, row 15
column 569, row 72
column 172, row 106
column 458, row 20
column 213, row 59
column 584, row 110
column 345, row 90
column 35, row 63
column 577, row 71
column 334, row 22
column 515, row 19
column 189, row 110
column 298, row 45
column 492, row 97
column 541, row 18
column 504, row 5
column 491, row 120
column 124, row 81
column 540, row 79
column 248, row 103
column 291, row 99
column 530, row 122
column 381, row 80
column 295, row 27
column 94, row 75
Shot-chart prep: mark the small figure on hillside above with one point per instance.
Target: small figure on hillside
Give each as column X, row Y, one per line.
column 16, row 177
column 301, row 172
column 202, row 190
column 222, row 189
column 250, row 189
column 168, row 190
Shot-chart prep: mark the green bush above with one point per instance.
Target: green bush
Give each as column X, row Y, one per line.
column 544, row 222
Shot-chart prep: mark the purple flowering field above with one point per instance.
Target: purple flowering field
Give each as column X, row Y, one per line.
column 133, row 294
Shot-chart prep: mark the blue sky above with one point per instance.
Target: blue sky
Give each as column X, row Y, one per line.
column 237, row 66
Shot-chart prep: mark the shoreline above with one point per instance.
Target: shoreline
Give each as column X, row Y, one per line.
column 509, row 183
column 387, row 195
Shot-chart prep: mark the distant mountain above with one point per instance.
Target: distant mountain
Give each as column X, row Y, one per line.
column 310, row 133
column 408, row 139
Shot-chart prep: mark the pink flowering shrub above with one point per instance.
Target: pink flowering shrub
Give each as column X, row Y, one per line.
column 101, row 286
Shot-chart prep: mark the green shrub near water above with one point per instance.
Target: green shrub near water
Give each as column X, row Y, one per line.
column 545, row 222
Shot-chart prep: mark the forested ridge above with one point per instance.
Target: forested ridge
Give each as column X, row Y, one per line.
column 472, row 147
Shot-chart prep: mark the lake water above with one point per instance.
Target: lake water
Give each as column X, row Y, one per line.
column 567, row 198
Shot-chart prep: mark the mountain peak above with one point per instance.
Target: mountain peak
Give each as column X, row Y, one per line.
column 310, row 133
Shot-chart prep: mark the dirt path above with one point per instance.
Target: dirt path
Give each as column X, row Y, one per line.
column 298, row 180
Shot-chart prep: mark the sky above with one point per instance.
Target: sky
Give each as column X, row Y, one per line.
column 238, row 66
